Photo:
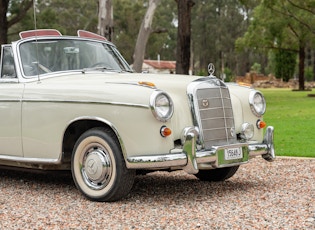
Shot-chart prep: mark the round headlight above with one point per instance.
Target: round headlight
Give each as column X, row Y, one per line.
column 161, row 105
column 257, row 103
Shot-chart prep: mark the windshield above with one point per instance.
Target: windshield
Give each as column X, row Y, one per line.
column 45, row 56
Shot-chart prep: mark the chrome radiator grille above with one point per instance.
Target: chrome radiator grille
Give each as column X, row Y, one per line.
column 214, row 116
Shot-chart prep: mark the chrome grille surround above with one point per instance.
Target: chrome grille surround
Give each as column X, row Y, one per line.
column 212, row 111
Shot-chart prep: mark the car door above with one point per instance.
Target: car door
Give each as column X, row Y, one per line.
column 10, row 105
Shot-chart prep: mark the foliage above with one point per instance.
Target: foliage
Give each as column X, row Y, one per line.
column 260, row 25
column 283, row 25
column 215, row 25
column 256, row 67
column 11, row 13
column 285, row 62
column 65, row 16
column 279, row 25
column 163, row 43
column 292, row 115
column 127, row 21
column 309, row 74
column 228, row 75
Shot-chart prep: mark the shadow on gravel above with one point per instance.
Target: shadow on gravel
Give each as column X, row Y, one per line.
column 151, row 187
column 35, row 176
column 165, row 185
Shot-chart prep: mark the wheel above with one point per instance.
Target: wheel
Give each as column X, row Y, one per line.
column 219, row 174
column 98, row 167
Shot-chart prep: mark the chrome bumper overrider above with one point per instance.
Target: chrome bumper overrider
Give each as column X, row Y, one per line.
column 188, row 159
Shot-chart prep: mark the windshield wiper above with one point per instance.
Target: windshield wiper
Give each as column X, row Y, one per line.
column 100, row 68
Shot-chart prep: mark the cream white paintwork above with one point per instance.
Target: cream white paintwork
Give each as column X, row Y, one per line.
column 74, row 103
column 112, row 98
column 50, row 105
column 36, row 112
column 10, row 119
column 242, row 111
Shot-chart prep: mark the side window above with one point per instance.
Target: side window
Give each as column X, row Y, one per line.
column 7, row 63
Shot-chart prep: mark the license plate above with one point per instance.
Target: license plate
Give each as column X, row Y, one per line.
column 233, row 153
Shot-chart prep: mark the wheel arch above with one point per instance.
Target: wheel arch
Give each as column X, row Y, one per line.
column 80, row 125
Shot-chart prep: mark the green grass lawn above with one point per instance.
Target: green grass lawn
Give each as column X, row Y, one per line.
column 292, row 113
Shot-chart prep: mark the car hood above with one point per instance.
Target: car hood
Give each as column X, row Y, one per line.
column 166, row 82
column 112, row 77
column 107, row 87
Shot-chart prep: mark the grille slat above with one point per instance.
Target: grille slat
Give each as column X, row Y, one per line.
column 216, row 123
column 216, row 116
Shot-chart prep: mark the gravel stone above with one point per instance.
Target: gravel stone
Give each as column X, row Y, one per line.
column 261, row 195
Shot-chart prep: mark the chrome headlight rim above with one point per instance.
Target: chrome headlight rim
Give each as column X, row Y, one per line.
column 159, row 111
column 258, row 109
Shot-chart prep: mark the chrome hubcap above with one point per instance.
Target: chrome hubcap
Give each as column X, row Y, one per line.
column 96, row 168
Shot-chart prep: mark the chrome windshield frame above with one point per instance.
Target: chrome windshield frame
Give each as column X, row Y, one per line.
column 123, row 65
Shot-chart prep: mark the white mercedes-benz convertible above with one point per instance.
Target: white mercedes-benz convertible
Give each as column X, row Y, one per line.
column 73, row 103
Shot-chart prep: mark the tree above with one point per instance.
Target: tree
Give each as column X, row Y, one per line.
column 11, row 12
column 183, row 36
column 286, row 25
column 216, row 24
column 162, row 41
column 143, row 36
column 285, row 62
column 65, row 16
column 105, row 25
column 128, row 20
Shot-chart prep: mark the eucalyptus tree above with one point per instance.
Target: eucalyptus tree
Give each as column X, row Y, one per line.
column 128, row 16
column 286, row 25
column 215, row 26
column 163, row 39
column 183, row 36
column 143, row 36
column 105, row 26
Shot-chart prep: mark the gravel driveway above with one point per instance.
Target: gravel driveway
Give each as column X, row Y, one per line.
column 262, row 195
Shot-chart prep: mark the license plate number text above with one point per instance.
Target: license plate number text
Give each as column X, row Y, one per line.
column 233, row 153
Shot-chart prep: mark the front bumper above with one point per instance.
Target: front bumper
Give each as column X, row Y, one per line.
column 189, row 158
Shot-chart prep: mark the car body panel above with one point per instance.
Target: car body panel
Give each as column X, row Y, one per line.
column 10, row 119
column 39, row 109
column 107, row 102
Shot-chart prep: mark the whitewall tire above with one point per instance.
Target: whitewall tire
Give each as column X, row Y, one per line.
column 98, row 167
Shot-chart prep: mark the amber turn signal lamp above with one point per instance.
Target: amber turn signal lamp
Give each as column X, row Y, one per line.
column 261, row 124
column 165, row 132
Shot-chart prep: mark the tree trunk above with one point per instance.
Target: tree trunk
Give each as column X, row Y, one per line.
column 3, row 21
column 105, row 19
column 5, row 24
column 301, row 65
column 183, row 36
column 143, row 36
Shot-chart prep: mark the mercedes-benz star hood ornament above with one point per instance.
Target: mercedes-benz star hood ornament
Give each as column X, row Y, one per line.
column 211, row 69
